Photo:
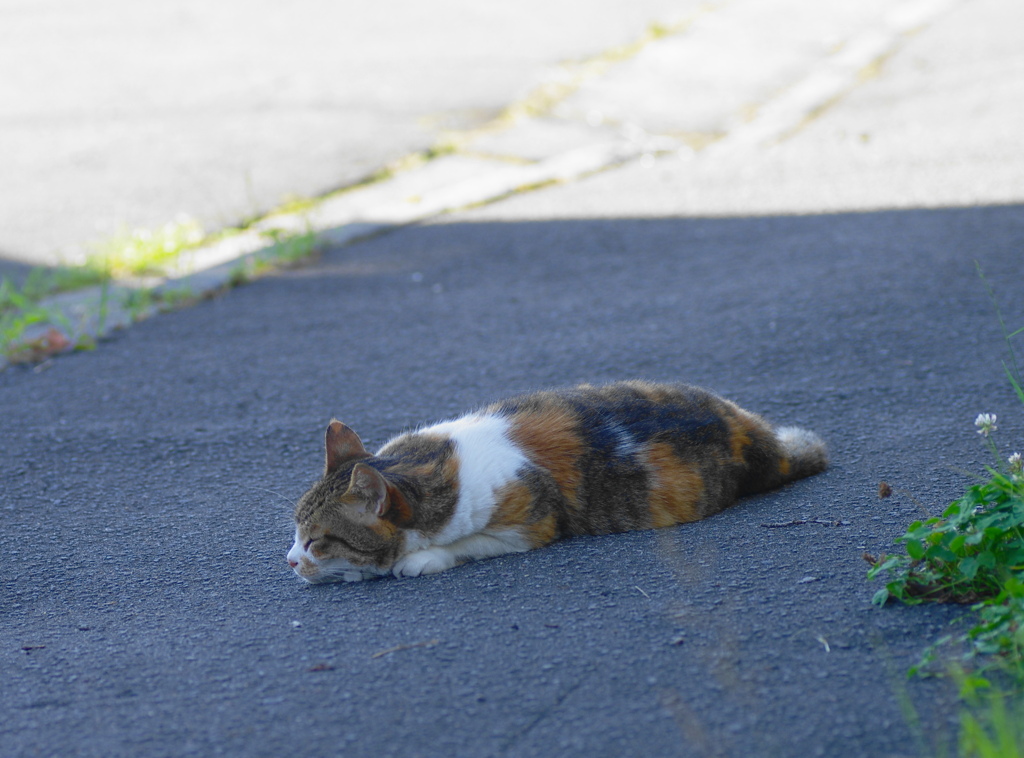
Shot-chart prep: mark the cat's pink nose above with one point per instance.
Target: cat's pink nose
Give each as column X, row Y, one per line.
column 292, row 563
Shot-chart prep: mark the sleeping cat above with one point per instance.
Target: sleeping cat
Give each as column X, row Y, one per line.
column 529, row 470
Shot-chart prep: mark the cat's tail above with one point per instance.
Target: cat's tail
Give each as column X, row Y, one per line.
column 803, row 453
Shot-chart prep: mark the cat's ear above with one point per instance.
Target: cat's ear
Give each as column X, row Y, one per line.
column 342, row 445
column 371, row 489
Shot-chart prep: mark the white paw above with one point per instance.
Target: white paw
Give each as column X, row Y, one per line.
column 429, row 561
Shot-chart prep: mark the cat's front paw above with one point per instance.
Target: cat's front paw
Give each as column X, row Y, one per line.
column 429, row 561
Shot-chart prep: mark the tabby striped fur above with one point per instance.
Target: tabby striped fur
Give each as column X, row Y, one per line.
column 529, row 470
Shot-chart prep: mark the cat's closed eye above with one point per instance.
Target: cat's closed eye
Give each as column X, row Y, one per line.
column 308, row 543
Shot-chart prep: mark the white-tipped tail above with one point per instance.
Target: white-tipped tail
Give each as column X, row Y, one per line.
column 805, row 451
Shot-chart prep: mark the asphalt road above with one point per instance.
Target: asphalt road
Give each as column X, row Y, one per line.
column 148, row 610
column 146, row 607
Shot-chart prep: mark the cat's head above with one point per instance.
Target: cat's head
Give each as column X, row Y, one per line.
column 342, row 527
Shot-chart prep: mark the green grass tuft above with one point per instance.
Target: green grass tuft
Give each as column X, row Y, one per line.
column 142, row 252
column 992, row 726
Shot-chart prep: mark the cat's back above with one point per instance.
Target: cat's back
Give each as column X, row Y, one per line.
column 636, row 454
column 617, row 420
column 615, row 415
column 600, row 459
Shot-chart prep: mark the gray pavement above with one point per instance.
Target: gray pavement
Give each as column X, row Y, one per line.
column 814, row 262
column 937, row 122
column 115, row 113
column 145, row 602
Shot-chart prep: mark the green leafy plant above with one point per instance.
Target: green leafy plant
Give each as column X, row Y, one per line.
column 972, row 553
column 968, row 554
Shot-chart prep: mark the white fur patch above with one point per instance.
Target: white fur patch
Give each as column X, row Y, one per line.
column 315, row 571
column 625, row 445
column 296, row 553
column 429, row 561
column 488, row 460
column 798, row 442
column 475, row 546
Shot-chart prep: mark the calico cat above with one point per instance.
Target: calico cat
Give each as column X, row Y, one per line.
column 525, row 471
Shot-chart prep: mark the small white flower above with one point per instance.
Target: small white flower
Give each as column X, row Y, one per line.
column 986, row 423
column 1016, row 464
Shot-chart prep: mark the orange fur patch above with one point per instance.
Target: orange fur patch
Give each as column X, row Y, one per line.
column 513, row 511
column 542, row 532
column 743, row 427
column 399, row 510
column 513, row 506
column 419, row 472
column 383, row 528
column 549, row 439
column 676, row 487
column 784, row 466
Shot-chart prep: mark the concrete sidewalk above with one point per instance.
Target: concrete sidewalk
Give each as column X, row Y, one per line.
column 755, row 108
column 734, row 108
column 118, row 113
